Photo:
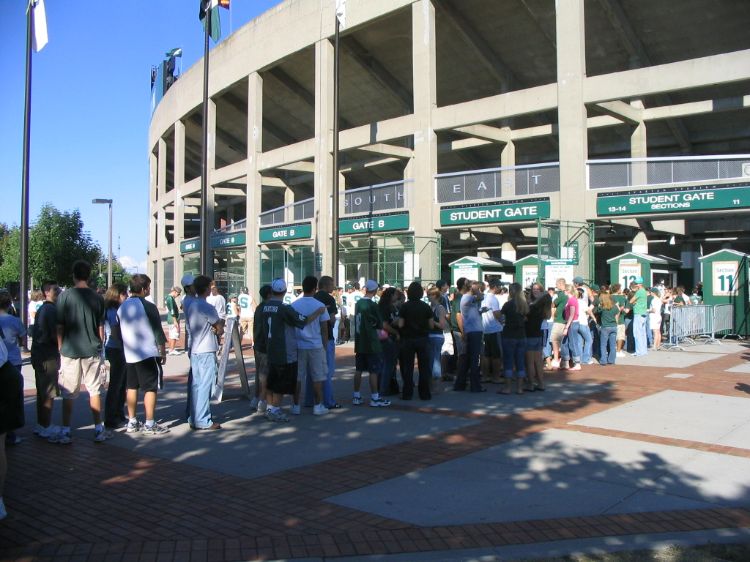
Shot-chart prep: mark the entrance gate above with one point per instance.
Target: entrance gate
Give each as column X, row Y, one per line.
column 566, row 244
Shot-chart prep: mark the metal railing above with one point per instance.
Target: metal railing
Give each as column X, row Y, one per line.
column 233, row 227
column 496, row 183
column 645, row 172
column 699, row 323
column 723, row 320
column 375, row 198
column 294, row 212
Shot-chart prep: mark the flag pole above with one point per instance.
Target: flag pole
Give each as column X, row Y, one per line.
column 206, row 258
column 335, row 202
column 25, row 179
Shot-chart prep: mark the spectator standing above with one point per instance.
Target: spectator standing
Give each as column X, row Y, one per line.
column 558, row 324
column 462, row 287
column 173, row 319
column 513, row 315
column 143, row 343
column 619, row 300
column 654, row 316
column 114, row 402
column 437, row 333
column 540, row 309
column 368, row 351
column 325, row 296
column 492, row 358
column 80, row 319
column 609, row 313
column 206, row 326
column 416, row 321
column 260, row 336
column 640, row 316
column 217, row 300
column 12, row 331
column 388, row 384
column 11, row 413
column 471, row 332
column 247, row 313
column 570, row 350
column 45, row 359
column 353, row 296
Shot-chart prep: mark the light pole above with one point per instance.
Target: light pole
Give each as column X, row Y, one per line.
column 109, row 260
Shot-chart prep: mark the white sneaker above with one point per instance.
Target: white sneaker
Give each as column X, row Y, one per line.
column 319, row 410
column 254, row 403
column 620, row 354
column 101, row 435
column 555, row 364
column 48, row 432
column 296, row 410
column 262, row 406
column 3, row 512
column 61, row 437
column 173, row 352
column 357, row 400
column 379, row 403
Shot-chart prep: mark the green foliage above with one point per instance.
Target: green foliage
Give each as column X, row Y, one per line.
column 10, row 255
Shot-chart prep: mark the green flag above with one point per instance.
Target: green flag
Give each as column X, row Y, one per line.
column 206, row 9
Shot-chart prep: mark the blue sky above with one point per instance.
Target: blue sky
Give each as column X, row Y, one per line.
column 90, row 106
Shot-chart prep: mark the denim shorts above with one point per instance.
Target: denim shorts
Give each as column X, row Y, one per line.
column 370, row 362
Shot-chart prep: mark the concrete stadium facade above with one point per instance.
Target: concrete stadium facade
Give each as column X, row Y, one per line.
column 469, row 127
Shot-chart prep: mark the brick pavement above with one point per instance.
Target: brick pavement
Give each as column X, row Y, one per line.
column 99, row 502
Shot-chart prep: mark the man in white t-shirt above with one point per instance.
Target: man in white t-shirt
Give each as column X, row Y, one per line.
column 492, row 358
column 217, row 300
column 352, row 298
column 312, row 341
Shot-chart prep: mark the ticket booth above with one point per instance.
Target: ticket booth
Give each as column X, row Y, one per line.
column 725, row 281
column 482, row 269
column 654, row 270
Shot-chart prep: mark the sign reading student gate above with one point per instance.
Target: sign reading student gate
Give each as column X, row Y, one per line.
column 673, row 200
column 511, row 211
column 284, row 233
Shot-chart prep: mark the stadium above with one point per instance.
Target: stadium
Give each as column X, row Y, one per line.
column 496, row 130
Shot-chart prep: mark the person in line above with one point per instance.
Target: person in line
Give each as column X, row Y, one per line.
column 609, row 314
column 492, row 357
column 259, row 403
column 439, row 332
column 217, row 300
column 114, row 402
column 513, row 316
column 620, row 301
column 584, row 337
column 325, row 296
column 80, row 330
column 187, row 287
column 462, row 287
column 36, row 300
column 654, row 316
column 540, row 310
column 173, row 319
column 247, row 313
column 143, row 344
column 640, row 315
column 471, row 333
column 389, row 312
column 45, row 359
column 12, row 333
column 569, row 347
column 206, row 327
column 353, row 296
column 312, row 343
column 11, row 413
column 368, row 351
column 415, row 323
column 558, row 325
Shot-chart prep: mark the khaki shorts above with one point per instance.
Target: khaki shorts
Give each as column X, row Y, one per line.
column 246, row 326
column 174, row 332
column 556, row 335
column 312, row 362
column 621, row 332
column 261, row 365
column 45, row 376
column 75, row 371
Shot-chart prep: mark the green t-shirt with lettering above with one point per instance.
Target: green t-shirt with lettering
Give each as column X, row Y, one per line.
column 367, row 321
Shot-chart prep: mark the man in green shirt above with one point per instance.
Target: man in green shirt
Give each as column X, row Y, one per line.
column 80, row 331
column 558, row 326
column 368, row 352
column 621, row 301
column 173, row 319
column 640, row 314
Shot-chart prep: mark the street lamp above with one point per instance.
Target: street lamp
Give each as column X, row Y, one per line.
column 109, row 260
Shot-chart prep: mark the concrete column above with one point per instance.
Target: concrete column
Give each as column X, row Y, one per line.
column 210, row 194
column 153, row 173
column 640, row 243
column 324, row 180
column 508, row 251
column 639, row 149
column 179, row 206
column 423, row 167
column 161, row 171
column 254, row 181
column 508, row 177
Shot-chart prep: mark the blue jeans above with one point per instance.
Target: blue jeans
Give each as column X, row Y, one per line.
column 607, row 338
column 639, row 333
column 569, row 346
column 629, row 339
column 203, row 366
column 390, row 358
column 514, row 352
column 436, row 346
column 470, row 367
column 584, row 341
column 547, row 344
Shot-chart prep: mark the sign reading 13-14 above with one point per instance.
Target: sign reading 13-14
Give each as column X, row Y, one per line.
column 724, row 278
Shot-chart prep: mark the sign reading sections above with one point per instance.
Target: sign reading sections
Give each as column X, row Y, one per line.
column 190, row 246
column 673, row 200
column 228, row 240
column 530, row 209
column 374, row 223
column 284, row 233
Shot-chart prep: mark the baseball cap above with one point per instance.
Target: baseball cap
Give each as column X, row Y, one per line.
column 187, row 280
column 371, row 285
column 638, row 280
column 278, row 286
column 578, row 280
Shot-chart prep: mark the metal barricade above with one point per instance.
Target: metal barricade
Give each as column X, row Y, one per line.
column 723, row 320
column 689, row 324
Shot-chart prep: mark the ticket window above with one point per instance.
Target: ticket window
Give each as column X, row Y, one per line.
column 663, row 277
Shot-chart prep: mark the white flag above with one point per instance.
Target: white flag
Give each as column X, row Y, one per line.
column 39, row 23
column 341, row 12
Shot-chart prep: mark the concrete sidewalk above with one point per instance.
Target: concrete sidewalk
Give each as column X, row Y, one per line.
column 652, row 450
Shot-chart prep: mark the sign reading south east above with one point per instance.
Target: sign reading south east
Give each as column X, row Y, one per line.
column 511, row 211
column 285, row 233
column 713, row 197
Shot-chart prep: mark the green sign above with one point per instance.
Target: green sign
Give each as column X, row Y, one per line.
column 376, row 223
column 512, row 211
column 190, row 246
column 228, row 240
column 673, row 200
column 287, row 232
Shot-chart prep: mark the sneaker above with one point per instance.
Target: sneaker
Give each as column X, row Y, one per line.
column 357, row 400
column 133, row 427
column 61, row 437
column 155, row 429
column 575, row 367
column 101, row 435
column 555, row 364
column 174, row 352
column 379, row 403
column 48, row 432
column 319, row 410
column 14, row 439
column 279, row 416
column 620, row 354
column 3, row 512
column 254, row 403
column 296, row 410
column 590, row 362
column 38, row 429
column 262, row 406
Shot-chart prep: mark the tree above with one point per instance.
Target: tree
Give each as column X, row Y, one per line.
column 10, row 255
column 56, row 241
